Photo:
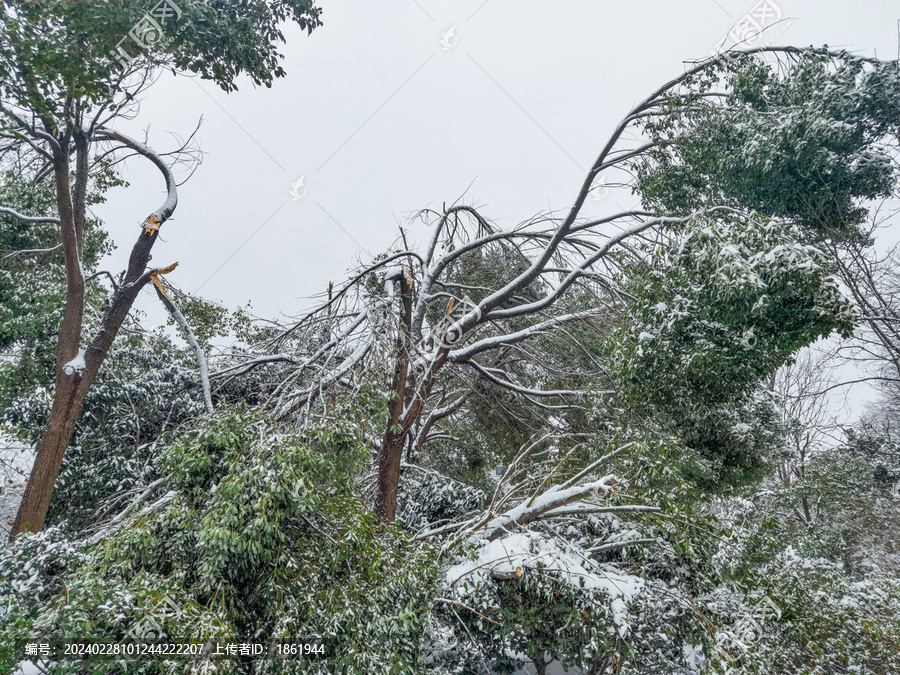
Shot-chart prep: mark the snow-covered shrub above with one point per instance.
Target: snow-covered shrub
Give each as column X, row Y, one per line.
column 802, row 616
column 720, row 306
column 531, row 594
column 257, row 530
column 818, row 555
column 426, row 498
column 596, row 581
column 32, row 573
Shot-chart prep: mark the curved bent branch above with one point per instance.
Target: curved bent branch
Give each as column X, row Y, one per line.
column 191, row 339
column 5, row 210
column 506, row 384
column 140, row 253
column 164, row 212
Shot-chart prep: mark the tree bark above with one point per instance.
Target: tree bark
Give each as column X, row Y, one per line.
column 72, row 384
column 391, row 452
column 69, row 392
column 71, row 388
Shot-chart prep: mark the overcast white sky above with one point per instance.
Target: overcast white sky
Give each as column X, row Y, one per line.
column 380, row 119
column 384, row 111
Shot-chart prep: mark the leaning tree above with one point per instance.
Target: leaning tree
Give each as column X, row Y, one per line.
column 742, row 165
column 68, row 72
column 587, row 343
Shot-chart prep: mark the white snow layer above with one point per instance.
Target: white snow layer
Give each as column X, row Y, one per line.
column 524, row 551
column 553, row 499
column 76, row 365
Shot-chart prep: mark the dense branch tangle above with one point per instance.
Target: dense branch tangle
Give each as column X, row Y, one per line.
column 439, row 334
column 480, row 302
column 52, row 145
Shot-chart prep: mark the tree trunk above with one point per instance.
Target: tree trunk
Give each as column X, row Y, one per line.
column 388, row 479
column 405, row 393
column 70, row 392
column 72, row 385
column 71, row 388
column 394, row 439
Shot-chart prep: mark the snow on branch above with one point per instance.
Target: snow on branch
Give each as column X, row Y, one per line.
column 5, row 210
column 191, row 339
column 246, row 366
column 494, row 342
column 553, row 296
column 554, row 498
column 521, row 553
column 301, row 398
column 339, row 337
column 164, row 212
column 34, row 133
column 339, row 296
column 506, row 384
column 593, row 466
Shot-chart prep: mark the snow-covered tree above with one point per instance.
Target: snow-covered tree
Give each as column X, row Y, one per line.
column 609, row 372
column 67, row 72
column 755, row 287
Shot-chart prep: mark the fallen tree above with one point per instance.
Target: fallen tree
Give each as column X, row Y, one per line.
column 480, row 303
